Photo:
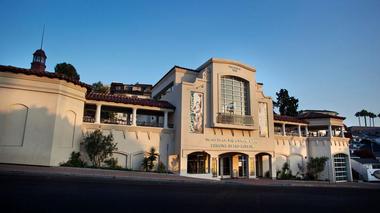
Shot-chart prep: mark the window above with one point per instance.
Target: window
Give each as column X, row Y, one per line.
column 234, row 96
column 340, row 165
column 198, row 163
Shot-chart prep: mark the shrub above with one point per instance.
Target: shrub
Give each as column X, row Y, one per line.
column 98, row 147
column 285, row 172
column 74, row 161
column 315, row 166
column 161, row 167
column 112, row 163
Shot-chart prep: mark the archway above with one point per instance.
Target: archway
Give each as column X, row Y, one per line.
column 264, row 165
column 233, row 165
column 198, row 163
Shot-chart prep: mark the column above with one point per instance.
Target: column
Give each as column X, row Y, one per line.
column 330, row 131
column 299, row 131
column 166, row 119
column 307, row 131
column 134, row 116
column 97, row 114
column 341, row 132
column 283, row 129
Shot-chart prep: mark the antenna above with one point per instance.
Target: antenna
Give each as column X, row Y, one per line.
column 42, row 39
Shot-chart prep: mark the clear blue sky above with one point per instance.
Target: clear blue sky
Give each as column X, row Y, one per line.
column 326, row 53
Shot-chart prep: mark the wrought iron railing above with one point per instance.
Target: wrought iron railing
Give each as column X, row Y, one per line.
column 244, row 120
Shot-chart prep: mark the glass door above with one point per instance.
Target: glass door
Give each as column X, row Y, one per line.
column 243, row 166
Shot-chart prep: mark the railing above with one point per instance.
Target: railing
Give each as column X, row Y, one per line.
column 115, row 121
column 152, row 124
column 245, row 120
column 88, row 119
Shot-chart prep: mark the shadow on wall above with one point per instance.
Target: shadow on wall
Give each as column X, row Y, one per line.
column 35, row 135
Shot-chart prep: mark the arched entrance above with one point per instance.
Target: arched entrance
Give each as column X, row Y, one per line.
column 264, row 165
column 198, row 163
column 233, row 165
column 341, row 167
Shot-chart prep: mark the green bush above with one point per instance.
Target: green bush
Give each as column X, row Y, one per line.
column 315, row 166
column 285, row 173
column 74, row 161
column 112, row 163
column 98, row 147
column 161, row 167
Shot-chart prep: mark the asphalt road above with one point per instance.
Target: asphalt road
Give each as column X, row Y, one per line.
column 25, row 193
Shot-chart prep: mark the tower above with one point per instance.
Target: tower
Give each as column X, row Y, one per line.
column 39, row 59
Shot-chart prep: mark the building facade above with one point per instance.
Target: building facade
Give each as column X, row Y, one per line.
column 212, row 122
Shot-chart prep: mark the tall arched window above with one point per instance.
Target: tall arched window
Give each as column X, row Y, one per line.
column 341, row 167
column 198, row 163
column 234, row 96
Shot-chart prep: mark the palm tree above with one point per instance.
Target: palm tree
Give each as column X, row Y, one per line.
column 357, row 114
column 364, row 113
column 372, row 116
column 148, row 161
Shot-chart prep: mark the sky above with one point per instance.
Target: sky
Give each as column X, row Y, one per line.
column 325, row 53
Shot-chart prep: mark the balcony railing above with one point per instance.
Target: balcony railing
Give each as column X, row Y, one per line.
column 244, row 120
column 88, row 119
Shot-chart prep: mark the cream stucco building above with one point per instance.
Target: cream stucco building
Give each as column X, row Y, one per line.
column 211, row 122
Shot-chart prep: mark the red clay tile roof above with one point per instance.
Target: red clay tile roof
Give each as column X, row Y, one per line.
column 311, row 115
column 18, row 70
column 128, row 100
column 288, row 119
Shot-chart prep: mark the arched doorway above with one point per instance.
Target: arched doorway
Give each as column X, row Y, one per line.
column 233, row 165
column 341, row 167
column 263, row 165
column 198, row 163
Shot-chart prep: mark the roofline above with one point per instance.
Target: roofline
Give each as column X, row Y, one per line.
column 173, row 68
column 46, row 74
column 226, row 61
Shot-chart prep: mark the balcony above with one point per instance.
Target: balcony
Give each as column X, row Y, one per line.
column 243, row 120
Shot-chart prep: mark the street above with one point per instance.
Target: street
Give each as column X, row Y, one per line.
column 38, row 193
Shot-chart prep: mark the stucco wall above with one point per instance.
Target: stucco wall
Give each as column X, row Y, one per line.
column 31, row 111
column 134, row 142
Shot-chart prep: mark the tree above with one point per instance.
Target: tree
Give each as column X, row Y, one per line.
column 67, row 70
column 315, row 166
column 364, row 113
column 99, row 87
column 148, row 161
column 372, row 117
column 287, row 105
column 98, row 147
column 357, row 114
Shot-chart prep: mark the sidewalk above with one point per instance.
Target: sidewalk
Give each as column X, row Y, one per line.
column 304, row 183
column 162, row 177
column 94, row 173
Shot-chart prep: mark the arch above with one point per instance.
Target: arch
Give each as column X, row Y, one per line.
column 198, row 163
column 263, row 165
column 234, row 165
column 122, row 158
column 295, row 160
column 13, row 125
column 280, row 160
